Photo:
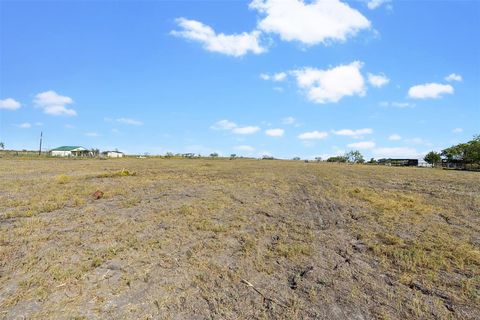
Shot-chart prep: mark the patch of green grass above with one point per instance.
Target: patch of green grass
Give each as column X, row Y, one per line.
column 63, row 179
column 208, row 225
column 291, row 250
column 121, row 173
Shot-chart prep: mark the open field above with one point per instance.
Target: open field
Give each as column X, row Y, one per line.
column 241, row 239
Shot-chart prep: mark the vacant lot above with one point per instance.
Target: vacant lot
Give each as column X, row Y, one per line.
column 241, row 239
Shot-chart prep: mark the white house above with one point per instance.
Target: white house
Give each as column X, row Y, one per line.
column 70, row 151
column 113, row 154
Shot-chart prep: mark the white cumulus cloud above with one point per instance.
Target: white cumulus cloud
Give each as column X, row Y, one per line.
column 324, row 86
column 362, row 145
column 374, row 4
column 233, row 127
column 394, row 137
column 54, row 104
column 313, row 135
column 9, row 104
column 318, row 21
column 224, row 125
column 230, row 44
column 92, row 134
column 378, row 80
column 453, row 77
column 246, row 130
column 457, row 130
column 358, row 133
column 274, row 132
column 277, row 77
column 429, row 91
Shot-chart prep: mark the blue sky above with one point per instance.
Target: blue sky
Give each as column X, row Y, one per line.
column 280, row 77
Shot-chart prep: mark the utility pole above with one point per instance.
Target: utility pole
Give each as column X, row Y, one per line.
column 40, row 148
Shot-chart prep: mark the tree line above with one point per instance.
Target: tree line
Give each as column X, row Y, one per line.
column 467, row 153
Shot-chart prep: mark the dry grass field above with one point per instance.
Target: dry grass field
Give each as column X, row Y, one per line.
column 241, row 239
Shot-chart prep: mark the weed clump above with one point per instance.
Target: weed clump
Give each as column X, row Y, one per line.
column 63, row 179
column 121, row 173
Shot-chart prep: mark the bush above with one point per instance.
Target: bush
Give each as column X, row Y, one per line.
column 62, row 179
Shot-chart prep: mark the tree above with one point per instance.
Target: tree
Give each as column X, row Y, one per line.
column 296, row 158
column 2, row 145
column 432, row 157
column 318, row 159
column 354, row 156
column 169, row 155
column 337, row 159
column 95, row 152
column 233, row 156
column 468, row 152
column 214, row 155
column 372, row 160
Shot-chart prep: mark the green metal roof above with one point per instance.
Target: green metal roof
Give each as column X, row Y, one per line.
column 67, row 148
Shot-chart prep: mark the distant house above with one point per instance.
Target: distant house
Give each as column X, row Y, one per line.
column 399, row 162
column 453, row 164
column 425, row 164
column 70, row 151
column 113, row 154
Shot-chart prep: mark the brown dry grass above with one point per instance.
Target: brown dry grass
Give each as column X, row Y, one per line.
column 173, row 239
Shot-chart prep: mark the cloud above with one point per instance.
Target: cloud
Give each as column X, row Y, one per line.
column 429, row 91
column 394, row 137
column 274, row 132
column 353, row 133
column 320, row 21
column 264, row 76
column 397, row 104
column 69, row 126
column 397, row 152
column 233, row 45
column 54, row 104
column 9, row 104
column 402, row 104
column 289, row 120
column 246, row 130
column 362, row 145
column 278, row 89
column 457, row 130
column 25, row 125
column 244, row 148
column 224, row 125
column 378, row 80
column 374, row 4
column 313, row 135
column 277, row 77
column 129, row 121
column 92, row 134
column 324, row 86
column 233, row 127
column 453, row 77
